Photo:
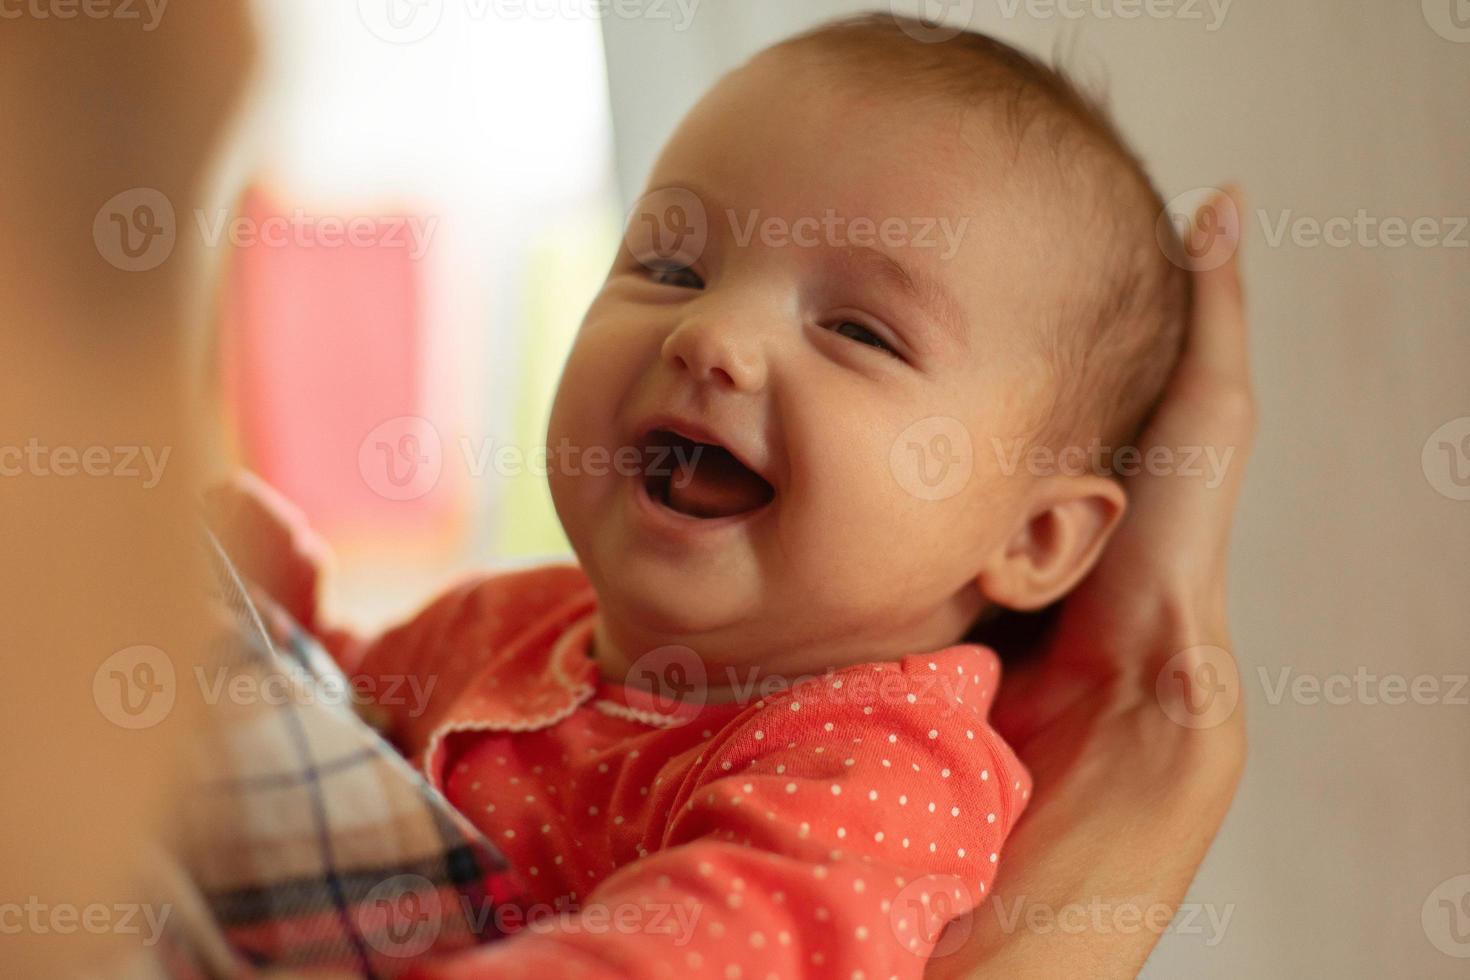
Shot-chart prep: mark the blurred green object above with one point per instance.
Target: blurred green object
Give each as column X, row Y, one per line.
column 565, row 269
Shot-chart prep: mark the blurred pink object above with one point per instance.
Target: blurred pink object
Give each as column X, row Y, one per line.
column 324, row 351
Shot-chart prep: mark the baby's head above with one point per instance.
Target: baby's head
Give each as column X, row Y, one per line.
column 870, row 274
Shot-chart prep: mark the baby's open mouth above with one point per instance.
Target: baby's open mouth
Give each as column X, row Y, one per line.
column 701, row 479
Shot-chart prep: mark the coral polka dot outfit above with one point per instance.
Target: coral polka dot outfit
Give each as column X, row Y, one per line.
column 825, row 830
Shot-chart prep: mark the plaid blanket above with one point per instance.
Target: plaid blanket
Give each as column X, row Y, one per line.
column 313, row 844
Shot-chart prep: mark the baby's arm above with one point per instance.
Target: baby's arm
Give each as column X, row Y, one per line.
column 275, row 549
column 825, row 840
column 270, row 541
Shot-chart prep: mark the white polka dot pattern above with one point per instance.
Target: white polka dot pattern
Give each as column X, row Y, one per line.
column 816, row 833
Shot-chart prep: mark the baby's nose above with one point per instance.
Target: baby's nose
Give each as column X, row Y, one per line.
column 717, row 352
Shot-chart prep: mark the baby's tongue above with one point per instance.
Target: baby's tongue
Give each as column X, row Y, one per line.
column 709, row 482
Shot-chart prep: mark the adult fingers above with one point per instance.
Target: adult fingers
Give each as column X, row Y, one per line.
column 1194, row 451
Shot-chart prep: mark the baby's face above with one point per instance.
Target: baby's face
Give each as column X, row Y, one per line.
column 859, row 378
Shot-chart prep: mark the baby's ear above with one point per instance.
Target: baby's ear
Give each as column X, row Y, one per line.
column 1059, row 539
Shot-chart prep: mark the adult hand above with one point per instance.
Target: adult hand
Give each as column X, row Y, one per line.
column 1128, row 717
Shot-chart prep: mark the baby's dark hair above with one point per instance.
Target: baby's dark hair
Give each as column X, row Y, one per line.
column 1114, row 342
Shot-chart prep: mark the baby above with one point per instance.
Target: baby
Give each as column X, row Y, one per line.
column 745, row 736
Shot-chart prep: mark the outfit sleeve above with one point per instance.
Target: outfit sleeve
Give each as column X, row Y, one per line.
column 815, row 837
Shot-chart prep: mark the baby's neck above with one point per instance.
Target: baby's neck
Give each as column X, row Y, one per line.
column 670, row 667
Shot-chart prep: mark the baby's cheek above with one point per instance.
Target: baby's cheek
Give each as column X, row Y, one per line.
column 595, row 380
column 863, row 512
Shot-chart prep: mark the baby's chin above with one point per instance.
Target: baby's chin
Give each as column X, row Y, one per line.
column 674, row 602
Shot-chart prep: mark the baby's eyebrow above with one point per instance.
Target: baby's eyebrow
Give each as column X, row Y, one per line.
column 925, row 290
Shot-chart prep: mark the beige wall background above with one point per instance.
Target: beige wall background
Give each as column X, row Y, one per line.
column 1352, row 554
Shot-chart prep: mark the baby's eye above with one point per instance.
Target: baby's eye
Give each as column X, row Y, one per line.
column 674, row 274
column 863, row 335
